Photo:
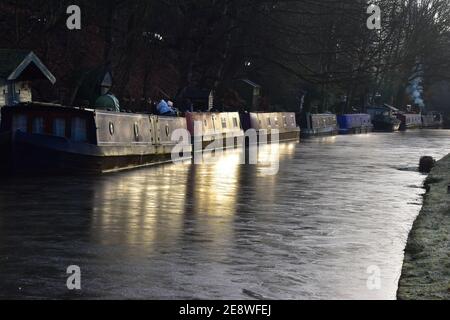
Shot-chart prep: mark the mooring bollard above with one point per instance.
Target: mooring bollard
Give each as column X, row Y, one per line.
column 426, row 164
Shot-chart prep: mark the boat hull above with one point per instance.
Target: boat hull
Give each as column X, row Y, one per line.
column 358, row 123
column 360, row 130
column 381, row 126
column 32, row 154
column 5, row 152
column 309, row 133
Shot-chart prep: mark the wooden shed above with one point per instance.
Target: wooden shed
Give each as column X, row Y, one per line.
column 18, row 68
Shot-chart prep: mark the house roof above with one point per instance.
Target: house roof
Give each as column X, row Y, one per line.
column 15, row 63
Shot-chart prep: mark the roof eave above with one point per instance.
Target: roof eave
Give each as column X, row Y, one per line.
column 31, row 57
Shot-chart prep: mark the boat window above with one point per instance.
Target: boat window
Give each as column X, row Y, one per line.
column 214, row 122
column 269, row 121
column 167, row 130
column 111, row 128
column 59, row 127
column 136, row 131
column 235, row 122
column 276, row 122
column 20, row 123
column 38, row 125
column 78, row 132
column 285, row 121
column 205, row 123
column 224, row 123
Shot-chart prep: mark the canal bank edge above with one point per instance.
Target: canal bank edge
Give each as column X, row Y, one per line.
column 426, row 269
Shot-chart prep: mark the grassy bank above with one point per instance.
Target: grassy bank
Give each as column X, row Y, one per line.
column 426, row 270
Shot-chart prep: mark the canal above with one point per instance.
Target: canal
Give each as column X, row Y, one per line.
column 338, row 208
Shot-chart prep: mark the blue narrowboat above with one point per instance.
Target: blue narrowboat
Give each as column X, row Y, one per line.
column 355, row 123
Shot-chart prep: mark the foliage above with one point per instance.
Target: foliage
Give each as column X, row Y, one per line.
column 319, row 48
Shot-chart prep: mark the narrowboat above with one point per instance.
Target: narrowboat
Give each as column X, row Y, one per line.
column 47, row 138
column 318, row 124
column 384, row 119
column 432, row 120
column 385, row 123
column 409, row 121
column 354, row 123
column 263, row 123
column 218, row 129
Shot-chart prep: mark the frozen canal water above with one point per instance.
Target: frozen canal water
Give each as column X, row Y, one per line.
column 337, row 207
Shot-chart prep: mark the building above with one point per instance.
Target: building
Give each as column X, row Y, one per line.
column 18, row 69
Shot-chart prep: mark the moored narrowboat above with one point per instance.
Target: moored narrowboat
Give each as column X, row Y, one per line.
column 318, row 124
column 264, row 123
column 45, row 138
column 384, row 119
column 213, row 129
column 354, row 123
column 409, row 121
column 432, row 120
column 385, row 123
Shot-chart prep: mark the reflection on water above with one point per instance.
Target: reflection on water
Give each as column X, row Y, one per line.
column 222, row 230
column 127, row 210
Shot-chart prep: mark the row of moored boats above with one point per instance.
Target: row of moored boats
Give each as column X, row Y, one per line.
column 49, row 138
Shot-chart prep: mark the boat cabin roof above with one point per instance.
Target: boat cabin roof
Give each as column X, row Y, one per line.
column 48, row 107
column 384, row 107
column 250, row 83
